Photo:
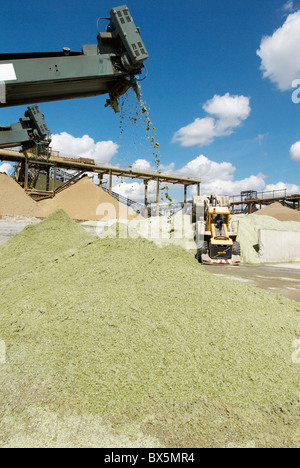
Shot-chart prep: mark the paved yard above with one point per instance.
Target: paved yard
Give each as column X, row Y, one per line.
column 278, row 278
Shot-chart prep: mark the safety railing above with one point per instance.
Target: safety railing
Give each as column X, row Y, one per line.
column 267, row 195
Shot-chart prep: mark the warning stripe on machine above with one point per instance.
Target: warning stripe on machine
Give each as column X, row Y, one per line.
column 220, row 261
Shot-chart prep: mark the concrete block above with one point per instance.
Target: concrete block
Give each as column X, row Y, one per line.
column 279, row 246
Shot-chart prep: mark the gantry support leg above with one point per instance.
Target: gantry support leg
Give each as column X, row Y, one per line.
column 110, row 183
column 26, row 173
column 185, row 199
column 54, row 179
column 146, row 198
column 157, row 197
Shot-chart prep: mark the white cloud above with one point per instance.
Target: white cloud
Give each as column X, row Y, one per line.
column 288, row 6
column 218, row 177
column 200, row 132
column 85, row 147
column 225, row 114
column 135, row 190
column 261, row 137
column 295, row 151
column 233, row 187
column 228, row 108
column 6, row 168
column 291, row 189
column 280, row 53
column 141, row 165
column 204, row 168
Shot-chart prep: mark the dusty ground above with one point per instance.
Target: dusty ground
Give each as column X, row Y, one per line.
column 280, row 278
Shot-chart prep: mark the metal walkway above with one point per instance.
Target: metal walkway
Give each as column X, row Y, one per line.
column 252, row 200
column 137, row 207
column 164, row 209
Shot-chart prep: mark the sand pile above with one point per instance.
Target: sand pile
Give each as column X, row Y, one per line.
column 15, row 201
column 86, row 201
column 117, row 341
column 248, row 227
column 282, row 213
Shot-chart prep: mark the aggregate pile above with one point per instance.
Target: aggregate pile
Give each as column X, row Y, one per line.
column 86, row 201
column 14, row 200
column 282, row 213
column 119, row 343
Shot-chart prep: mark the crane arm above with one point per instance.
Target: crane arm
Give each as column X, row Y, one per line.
column 29, row 131
column 108, row 67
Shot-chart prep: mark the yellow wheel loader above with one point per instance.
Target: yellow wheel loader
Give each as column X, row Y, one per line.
column 214, row 235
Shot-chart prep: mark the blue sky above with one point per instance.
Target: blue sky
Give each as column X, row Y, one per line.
column 216, row 115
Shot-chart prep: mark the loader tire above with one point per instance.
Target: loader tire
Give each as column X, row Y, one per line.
column 236, row 249
column 201, row 251
column 199, row 255
column 205, row 247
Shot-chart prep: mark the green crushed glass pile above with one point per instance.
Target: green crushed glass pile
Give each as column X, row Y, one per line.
column 119, row 343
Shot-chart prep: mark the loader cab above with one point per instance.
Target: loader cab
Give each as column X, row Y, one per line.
column 218, row 220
